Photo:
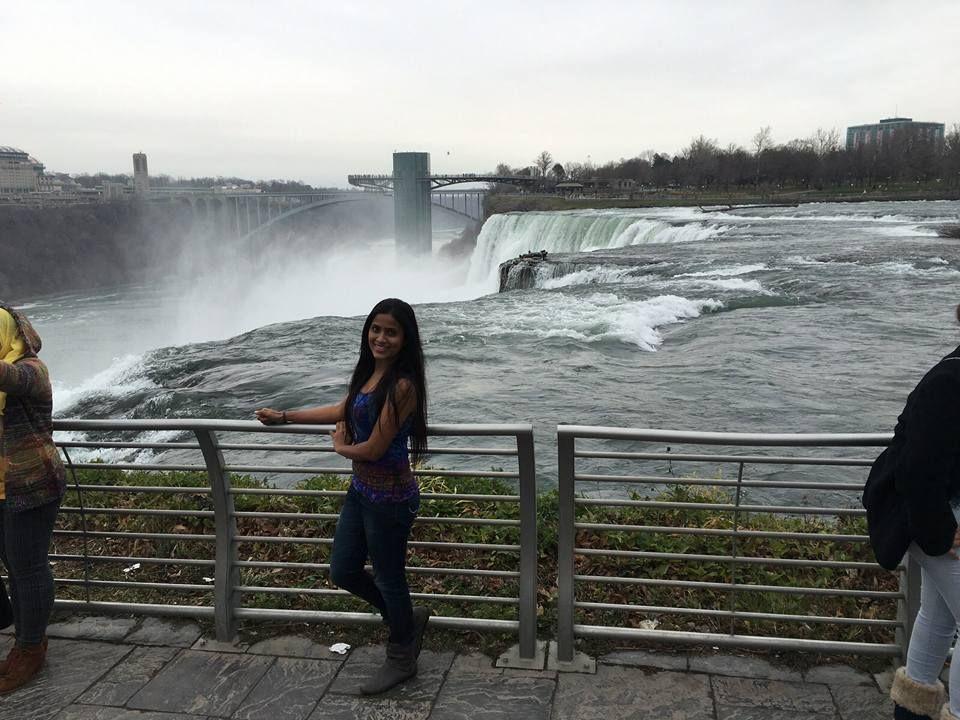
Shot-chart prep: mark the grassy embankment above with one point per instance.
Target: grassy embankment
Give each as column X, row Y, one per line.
column 305, row 578
column 515, row 202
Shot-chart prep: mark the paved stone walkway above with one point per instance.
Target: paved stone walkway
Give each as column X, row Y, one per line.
column 150, row 669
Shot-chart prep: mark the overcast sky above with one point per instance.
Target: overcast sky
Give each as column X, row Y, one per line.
column 310, row 90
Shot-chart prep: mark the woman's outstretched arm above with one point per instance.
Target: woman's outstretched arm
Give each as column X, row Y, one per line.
column 324, row 415
column 384, row 431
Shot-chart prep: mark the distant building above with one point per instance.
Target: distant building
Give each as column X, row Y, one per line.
column 115, row 190
column 19, row 173
column 884, row 131
column 141, row 178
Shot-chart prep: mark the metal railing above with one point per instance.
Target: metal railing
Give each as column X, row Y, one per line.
column 759, row 552
column 209, row 530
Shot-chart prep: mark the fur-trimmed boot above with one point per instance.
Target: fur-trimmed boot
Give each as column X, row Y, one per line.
column 400, row 665
column 421, row 616
column 915, row 700
column 945, row 713
column 23, row 664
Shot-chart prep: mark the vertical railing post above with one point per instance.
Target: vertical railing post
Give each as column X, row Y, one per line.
column 735, row 552
column 528, row 545
column 226, row 573
column 566, row 535
column 909, row 605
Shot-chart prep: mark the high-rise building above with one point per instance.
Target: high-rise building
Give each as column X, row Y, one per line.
column 19, row 173
column 884, row 131
column 141, row 178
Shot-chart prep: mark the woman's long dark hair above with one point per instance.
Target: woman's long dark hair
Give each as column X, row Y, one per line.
column 408, row 364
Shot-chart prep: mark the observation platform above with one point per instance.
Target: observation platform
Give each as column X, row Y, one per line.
column 124, row 668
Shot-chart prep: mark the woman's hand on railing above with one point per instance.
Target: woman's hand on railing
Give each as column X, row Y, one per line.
column 269, row 416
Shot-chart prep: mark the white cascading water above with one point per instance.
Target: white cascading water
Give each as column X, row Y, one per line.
column 506, row 236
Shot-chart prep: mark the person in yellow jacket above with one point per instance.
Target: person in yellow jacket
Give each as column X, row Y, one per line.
column 32, row 484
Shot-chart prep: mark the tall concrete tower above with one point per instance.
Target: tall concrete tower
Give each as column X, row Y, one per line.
column 412, row 218
column 141, row 179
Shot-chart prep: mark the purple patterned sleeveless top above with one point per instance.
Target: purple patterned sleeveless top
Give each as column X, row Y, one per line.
column 388, row 479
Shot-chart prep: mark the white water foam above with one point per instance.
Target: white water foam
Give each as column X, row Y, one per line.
column 726, row 272
column 125, row 375
column 507, row 236
column 597, row 275
column 595, row 318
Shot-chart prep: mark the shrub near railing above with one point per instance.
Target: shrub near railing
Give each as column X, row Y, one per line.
column 182, row 562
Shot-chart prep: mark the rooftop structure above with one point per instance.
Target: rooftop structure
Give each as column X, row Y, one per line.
column 19, row 173
column 877, row 134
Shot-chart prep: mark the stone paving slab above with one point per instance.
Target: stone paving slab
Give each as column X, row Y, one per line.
column 364, row 662
column 861, row 702
column 128, row 677
column 770, row 695
column 618, row 693
column 346, row 707
column 646, row 658
column 93, row 712
column 71, row 667
column 157, row 631
column 289, row 691
column 745, row 666
column 838, row 675
column 294, row 646
column 489, row 697
column 202, row 683
column 92, row 627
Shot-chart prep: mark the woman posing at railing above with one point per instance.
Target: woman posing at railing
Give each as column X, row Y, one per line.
column 32, row 483
column 386, row 406
column 913, row 504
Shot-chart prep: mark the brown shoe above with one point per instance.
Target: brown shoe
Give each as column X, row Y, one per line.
column 23, row 664
column 5, row 664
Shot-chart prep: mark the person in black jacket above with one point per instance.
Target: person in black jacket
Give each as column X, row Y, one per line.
column 913, row 504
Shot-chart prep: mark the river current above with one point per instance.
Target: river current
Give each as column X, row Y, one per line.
column 817, row 318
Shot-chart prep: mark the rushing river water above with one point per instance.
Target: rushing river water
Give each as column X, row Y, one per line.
column 817, row 318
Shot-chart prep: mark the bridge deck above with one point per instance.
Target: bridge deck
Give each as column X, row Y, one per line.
column 151, row 669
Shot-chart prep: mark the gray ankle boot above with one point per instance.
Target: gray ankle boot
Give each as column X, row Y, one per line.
column 400, row 665
column 420, row 617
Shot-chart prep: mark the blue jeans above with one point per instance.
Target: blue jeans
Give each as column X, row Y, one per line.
column 380, row 531
column 25, row 551
column 936, row 622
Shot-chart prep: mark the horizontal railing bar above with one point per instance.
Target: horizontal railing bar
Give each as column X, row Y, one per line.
column 137, row 511
column 128, row 559
column 135, row 466
column 707, row 612
column 329, row 449
column 659, row 480
column 185, row 587
column 746, row 459
column 727, row 438
column 415, row 569
column 135, row 535
column 147, row 489
column 306, row 470
column 193, row 424
column 491, row 547
column 768, row 534
column 726, row 507
column 196, row 611
column 414, row 595
column 129, row 445
column 742, row 641
column 422, row 519
column 343, row 493
column 728, row 587
column 439, row 621
column 740, row 559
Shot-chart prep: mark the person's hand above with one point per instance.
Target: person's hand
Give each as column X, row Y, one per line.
column 269, row 416
column 956, row 544
column 341, row 436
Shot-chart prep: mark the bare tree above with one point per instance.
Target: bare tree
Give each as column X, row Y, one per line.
column 825, row 141
column 558, row 172
column 761, row 141
column 543, row 162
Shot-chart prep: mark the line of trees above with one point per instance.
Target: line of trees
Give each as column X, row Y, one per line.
column 817, row 162
column 97, row 179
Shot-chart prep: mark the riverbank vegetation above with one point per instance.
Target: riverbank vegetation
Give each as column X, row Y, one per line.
column 306, row 522
column 906, row 166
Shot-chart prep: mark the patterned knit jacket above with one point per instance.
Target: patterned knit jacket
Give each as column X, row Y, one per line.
column 35, row 474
